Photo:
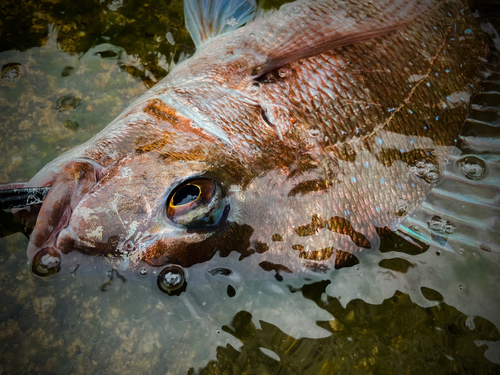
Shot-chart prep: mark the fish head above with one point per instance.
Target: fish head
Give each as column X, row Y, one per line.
column 168, row 199
column 151, row 208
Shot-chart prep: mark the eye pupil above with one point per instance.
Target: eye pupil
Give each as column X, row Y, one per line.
column 185, row 195
column 196, row 204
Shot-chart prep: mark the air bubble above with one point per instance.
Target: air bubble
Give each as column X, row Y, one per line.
column 46, row 262
column 251, row 35
column 472, row 167
column 449, row 228
column 172, row 280
column 170, row 38
column 431, row 176
column 143, row 272
column 282, row 72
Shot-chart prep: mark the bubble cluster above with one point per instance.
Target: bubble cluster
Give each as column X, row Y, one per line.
column 440, row 225
column 426, row 169
column 10, row 72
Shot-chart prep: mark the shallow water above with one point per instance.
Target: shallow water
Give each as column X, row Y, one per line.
column 69, row 69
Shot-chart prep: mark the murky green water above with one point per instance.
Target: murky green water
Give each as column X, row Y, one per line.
column 69, row 68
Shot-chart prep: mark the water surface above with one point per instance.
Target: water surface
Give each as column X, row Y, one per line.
column 69, row 68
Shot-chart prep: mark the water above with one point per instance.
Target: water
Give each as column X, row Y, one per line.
column 69, row 69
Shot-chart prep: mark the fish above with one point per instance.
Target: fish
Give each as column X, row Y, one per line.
column 299, row 136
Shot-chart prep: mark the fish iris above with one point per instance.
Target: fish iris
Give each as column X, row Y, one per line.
column 196, row 204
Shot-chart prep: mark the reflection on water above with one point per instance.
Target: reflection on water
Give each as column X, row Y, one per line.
column 404, row 305
column 363, row 338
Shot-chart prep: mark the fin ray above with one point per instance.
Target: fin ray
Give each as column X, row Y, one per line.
column 463, row 210
column 303, row 29
column 205, row 19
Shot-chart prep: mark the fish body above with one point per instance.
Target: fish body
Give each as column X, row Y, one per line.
column 324, row 117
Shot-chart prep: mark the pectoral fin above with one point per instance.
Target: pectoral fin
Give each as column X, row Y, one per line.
column 463, row 210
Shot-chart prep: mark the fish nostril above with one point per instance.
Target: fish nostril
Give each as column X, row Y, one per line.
column 129, row 245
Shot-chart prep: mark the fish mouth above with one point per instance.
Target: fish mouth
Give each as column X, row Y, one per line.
column 72, row 182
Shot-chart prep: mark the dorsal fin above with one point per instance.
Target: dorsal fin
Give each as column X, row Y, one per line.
column 206, row 19
column 297, row 30
column 305, row 28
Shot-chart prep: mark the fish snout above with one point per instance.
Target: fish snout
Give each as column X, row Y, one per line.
column 71, row 184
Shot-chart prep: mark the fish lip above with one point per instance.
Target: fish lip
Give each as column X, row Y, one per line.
column 68, row 240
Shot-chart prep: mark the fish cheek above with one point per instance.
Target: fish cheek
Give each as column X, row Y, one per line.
column 227, row 238
column 179, row 252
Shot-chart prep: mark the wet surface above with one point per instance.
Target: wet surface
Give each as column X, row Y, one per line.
column 420, row 304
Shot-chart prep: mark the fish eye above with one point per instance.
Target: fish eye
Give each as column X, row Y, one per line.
column 196, row 204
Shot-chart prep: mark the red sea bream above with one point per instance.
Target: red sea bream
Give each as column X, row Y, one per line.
column 306, row 132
